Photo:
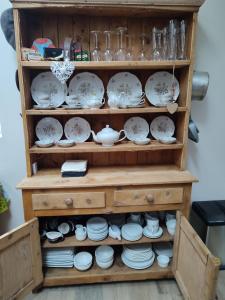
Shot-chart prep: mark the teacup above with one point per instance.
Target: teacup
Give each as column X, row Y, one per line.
column 153, row 225
column 171, row 226
column 81, row 232
column 135, row 217
column 114, row 232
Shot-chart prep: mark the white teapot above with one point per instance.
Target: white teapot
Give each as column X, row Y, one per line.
column 107, row 136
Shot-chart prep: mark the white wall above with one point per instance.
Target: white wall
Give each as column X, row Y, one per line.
column 206, row 159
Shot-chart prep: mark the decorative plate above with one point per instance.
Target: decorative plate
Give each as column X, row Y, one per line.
column 77, row 129
column 49, row 129
column 87, row 85
column 162, row 127
column 124, row 82
column 162, row 88
column 136, row 128
column 46, row 88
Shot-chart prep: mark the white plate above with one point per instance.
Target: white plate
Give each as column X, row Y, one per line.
column 47, row 85
column 83, row 258
column 162, row 127
column 77, row 129
column 161, row 88
column 138, row 266
column 156, row 235
column 86, row 85
column 131, row 231
column 96, row 223
column 124, row 82
column 49, row 129
column 136, row 128
column 44, row 144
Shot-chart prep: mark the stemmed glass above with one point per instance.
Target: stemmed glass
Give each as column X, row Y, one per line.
column 156, row 44
column 182, row 40
column 129, row 54
column 143, row 56
column 95, row 53
column 121, row 52
column 108, row 54
column 165, row 43
column 172, row 49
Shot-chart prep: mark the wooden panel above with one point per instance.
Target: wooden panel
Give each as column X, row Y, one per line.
column 20, row 261
column 195, row 268
column 68, row 200
column 118, row 272
column 147, row 196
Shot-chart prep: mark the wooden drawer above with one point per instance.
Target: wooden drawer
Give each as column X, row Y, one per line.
column 68, row 200
column 137, row 197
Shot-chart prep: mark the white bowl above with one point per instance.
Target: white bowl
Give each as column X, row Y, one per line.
column 53, row 236
column 65, row 143
column 82, row 268
column 168, row 140
column 163, row 261
column 142, row 141
column 83, row 259
column 104, row 265
column 104, row 253
column 43, row 144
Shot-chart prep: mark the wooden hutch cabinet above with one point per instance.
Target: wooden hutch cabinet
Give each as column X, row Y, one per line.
column 121, row 179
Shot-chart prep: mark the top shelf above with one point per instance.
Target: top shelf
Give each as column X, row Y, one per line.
column 114, row 65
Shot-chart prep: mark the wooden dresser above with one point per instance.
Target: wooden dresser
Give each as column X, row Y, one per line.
column 121, row 179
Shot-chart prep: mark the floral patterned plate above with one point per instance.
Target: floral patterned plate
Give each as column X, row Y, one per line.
column 162, row 127
column 46, row 90
column 49, row 130
column 162, row 88
column 77, row 129
column 86, row 86
column 136, row 128
column 124, row 82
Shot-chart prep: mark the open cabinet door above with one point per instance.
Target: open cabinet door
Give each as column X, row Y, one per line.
column 194, row 267
column 20, row 261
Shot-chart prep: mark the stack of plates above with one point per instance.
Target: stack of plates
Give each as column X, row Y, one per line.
column 104, row 256
column 132, row 232
column 97, row 229
column 138, row 256
column 83, row 261
column 58, row 258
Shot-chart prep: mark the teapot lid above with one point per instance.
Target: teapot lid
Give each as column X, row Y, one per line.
column 107, row 129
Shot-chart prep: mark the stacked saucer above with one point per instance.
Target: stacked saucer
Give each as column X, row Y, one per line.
column 138, row 256
column 83, row 261
column 58, row 258
column 97, row 229
column 132, row 232
column 104, row 256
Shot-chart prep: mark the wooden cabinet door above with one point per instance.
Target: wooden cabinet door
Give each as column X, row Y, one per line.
column 20, row 261
column 194, row 267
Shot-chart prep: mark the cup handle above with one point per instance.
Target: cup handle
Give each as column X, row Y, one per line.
column 85, row 229
column 103, row 101
column 120, row 140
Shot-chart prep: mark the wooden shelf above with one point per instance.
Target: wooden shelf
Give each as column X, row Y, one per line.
column 115, row 65
column 109, row 177
column 72, row 242
column 92, row 147
column 102, row 111
column 118, row 272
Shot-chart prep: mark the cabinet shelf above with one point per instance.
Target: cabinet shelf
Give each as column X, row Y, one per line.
column 92, row 147
column 102, row 111
column 114, row 65
column 118, row 272
column 72, row 242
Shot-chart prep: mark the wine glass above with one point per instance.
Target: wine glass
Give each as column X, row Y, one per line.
column 143, row 56
column 96, row 53
column 121, row 52
column 129, row 54
column 108, row 54
column 172, row 49
column 165, row 43
column 182, row 40
column 156, row 43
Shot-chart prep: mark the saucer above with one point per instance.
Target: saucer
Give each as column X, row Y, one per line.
column 152, row 236
column 144, row 141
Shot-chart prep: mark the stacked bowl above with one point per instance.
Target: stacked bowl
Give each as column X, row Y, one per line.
column 83, row 261
column 104, row 256
column 138, row 256
column 97, row 229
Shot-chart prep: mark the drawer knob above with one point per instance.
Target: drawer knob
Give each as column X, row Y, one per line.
column 68, row 201
column 150, row 198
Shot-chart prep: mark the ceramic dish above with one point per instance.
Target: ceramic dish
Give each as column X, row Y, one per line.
column 64, row 228
column 104, row 253
column 65, row 143
column 145, row 141
column 139, row 265
column 124, row 82
column 162, row 127
column 132, row 232
column 77, row 129
column 83, row 261
column 104, row 265
column 43, row 107
column 150, row 235
column 44, row 144
column 49, row 129
column 54, row 236
column 164, row 248
column 168, row 140
column 86, row 85
column 163, row 261
column 47, row 90
column 136, row 128
column 162, row 88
